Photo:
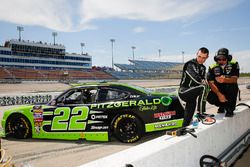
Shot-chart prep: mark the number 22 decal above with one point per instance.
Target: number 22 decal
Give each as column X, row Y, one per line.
column 63, row 121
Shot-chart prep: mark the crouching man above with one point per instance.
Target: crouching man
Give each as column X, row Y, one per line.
column 222, row 78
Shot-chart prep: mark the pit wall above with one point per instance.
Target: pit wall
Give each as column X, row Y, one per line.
column 168, row 151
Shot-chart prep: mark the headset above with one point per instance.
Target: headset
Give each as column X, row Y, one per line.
column 225, row 52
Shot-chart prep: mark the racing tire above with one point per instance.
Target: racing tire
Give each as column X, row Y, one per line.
column 18, row 127
column 208, row 120
column 127, row 128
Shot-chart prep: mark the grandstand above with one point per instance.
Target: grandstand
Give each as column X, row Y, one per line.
column 29, row 60
column 16, row 75
column 41, row 55
column 147, row 70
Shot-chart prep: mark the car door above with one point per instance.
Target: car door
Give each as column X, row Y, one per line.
column 70, row 112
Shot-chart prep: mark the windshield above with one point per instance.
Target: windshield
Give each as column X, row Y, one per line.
column 141, row 89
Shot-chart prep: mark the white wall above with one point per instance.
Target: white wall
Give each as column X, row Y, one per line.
column 182, row 151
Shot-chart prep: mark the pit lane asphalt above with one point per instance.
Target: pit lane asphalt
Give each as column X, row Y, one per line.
column 61, row 153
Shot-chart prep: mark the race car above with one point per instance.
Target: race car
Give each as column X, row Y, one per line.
column 96, row 111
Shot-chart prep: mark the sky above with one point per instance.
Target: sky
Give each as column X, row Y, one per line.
column 171, row 26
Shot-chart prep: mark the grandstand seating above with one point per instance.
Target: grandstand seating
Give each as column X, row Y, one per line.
column 60, row 75
column 136, row 70
column 147, row 70
column 4, row 73
column 146, row 65
column 102, row 75
column 127, row 75
column 127, row 67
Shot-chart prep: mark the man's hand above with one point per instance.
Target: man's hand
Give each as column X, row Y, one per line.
column 228, row 79
column 220, row 79
column 221, row 98
column 204, row 81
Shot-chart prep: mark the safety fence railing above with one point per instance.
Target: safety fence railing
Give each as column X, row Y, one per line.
column 25, row 99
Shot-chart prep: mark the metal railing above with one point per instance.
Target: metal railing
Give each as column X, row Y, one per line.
column 26, row 99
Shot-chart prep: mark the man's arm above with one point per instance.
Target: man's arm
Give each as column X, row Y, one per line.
column 230, row 80
column 233, row 78
column 216, row 90
column 194, row 74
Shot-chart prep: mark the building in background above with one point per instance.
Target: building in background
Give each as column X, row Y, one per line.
column 40, row 55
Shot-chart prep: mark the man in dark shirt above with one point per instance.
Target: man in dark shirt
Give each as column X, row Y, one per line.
column 222, row 78
column 193, row 84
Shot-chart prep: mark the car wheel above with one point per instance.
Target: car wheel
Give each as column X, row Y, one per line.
column 18, row 126
column 127, row 128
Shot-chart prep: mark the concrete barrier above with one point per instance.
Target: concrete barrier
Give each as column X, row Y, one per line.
column 168, row 151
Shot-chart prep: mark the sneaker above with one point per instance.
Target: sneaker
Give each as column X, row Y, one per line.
column 229, row 113
column 208, row 115
column 221, row 110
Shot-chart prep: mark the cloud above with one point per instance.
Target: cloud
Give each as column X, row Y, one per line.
column 63, row 15
column 148, row 10
column 53, row 14
column 139, row 29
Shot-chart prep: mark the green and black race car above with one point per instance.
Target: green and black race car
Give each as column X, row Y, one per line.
column 95, row 112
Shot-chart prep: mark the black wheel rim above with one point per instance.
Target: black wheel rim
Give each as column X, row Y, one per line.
column 128, row 129
column 19, row 127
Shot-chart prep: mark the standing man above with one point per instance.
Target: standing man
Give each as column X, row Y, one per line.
column 193, row 84
column 222, row 78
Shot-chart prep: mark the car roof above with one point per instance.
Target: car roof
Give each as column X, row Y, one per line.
column 104, row 83
column 86, row 84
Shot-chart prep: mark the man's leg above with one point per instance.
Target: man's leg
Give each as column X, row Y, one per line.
column 201, row 108
column 189, row 112
column 221, row 109
column 212, row 98
column 190, row 97
column 231, row 95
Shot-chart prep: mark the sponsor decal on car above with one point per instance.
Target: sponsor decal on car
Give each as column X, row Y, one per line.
column 163, row 125
column 93, row 117
column 168, row 124
column 99, row 127
column 120, row 104
column 164, row 115
column 134, row 96
column 148, row 108
column 38, row 118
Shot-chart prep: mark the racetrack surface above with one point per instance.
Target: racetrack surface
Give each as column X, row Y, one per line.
column 61, row 153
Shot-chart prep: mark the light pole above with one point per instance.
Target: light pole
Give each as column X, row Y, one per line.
column 159, row 50
column 112, row 47
column 82, row 45
column 133, row 51
column 54, row 34
column 182, row 53
column 20, row 29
